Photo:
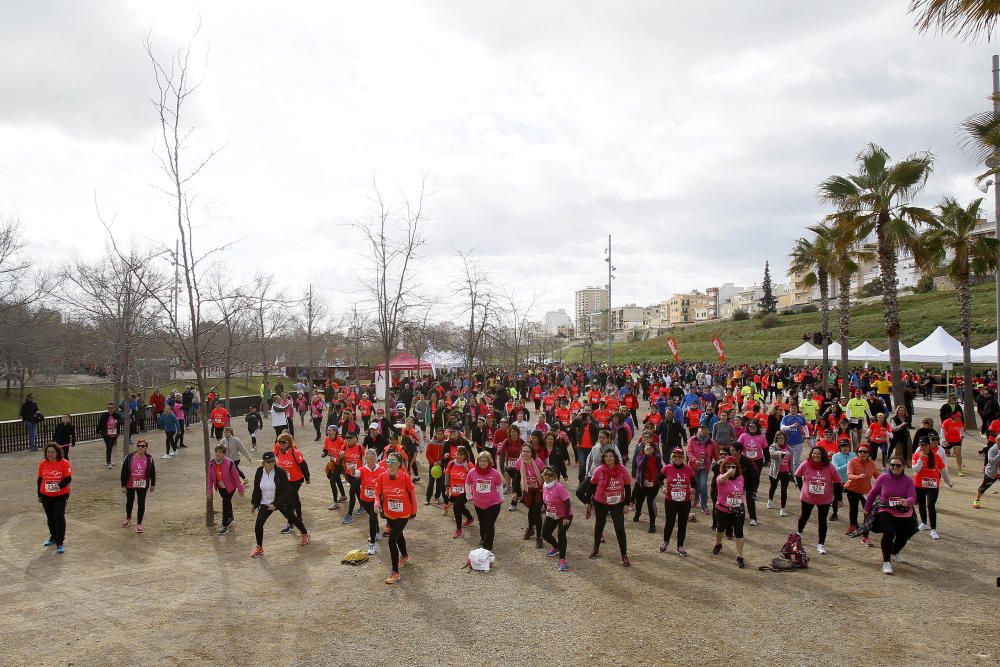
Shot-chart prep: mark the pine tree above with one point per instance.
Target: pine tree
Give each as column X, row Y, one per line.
column 767, row 303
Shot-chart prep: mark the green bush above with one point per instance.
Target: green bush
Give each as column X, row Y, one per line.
column 770, row 321
column 789, row 311
column 741, row 315
column 809, row 308
column 924, row 285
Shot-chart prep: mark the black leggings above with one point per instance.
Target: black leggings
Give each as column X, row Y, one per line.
column 647, row 494
column 397, row 543
column 109, row 446
column 552, row 525
column 227, row 505
column 927, row 504
column 896, row 532
column 318, row 425
column 676, row 510
column 130, row 496
column 369, row 506
column 854, row 500
column 55, row 515
column 487, row 524
column 807, row 509
column 784, row 478
column 751, row 495
column 435, row 487
column 171, row 442
column 534, row 497
column 617, row 513
column 354, row 485
column 263, row 514
column 337, row 485
column 296, row 505
column 460, row 510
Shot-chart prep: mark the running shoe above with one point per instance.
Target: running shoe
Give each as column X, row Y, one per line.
column 49, row 543
column 287, row 529
column 663, row 547
column 867, row 541
column 60, row 549
column 770, row 504
column 404, row 560
column 223, row 530
column 371, row 548
column 468, row 522
column 626, row 562
column 820, row 549
column 886, row 568
column 740, row 563
column 717, row 549
column 923, row 526
column 563, row 567
column 139, row 528
column 681, row 551
column 165, row 456
column 392, row 578
column 935, row 535
column 360, row 510
column 457, row 534
column 551, row 553
column 961, row 473
column 975, row 504
column 898, row 558
column 753, row 522
column 333, row 506
column 594, row 554
column 528, row 534
column 427, row 501
column 782, row 512
column 512, row 508
column 305, row 540
column 833, row 517
column 850, row 529
column 126, row 522
column 538, row 543
column 257, row 552
column 348, row 518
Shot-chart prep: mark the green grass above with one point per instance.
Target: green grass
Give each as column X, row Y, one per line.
column 53, row 400
column 747, row 341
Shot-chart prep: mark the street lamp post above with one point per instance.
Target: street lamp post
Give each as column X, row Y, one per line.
column 996, row 208
column 611, row 270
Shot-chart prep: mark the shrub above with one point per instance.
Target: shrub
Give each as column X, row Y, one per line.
column 924, row 285
column 789, row 311
column 741, row 315
column 770, row 321
column 809, row 308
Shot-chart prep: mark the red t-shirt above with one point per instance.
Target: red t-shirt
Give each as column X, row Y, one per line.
column 289, row 461
column 52, row 473
column 220, row 417
column 395, row 496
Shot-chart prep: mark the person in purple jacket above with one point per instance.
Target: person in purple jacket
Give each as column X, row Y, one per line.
column 897, row 494
column 223, row 476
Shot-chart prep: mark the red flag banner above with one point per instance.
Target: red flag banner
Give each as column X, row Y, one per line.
column 719, row 349
column 672, row 346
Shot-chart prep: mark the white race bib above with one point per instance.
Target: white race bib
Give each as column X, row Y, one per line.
column 52, row 487
column 678, row 496
column 752, row 454
column 484, row 486
column 734, row 501
column 395, row 505
column 896, row 502
column 457, row 490
column 138, row 484
column 817, row 488
column 369, row 493
column 551, row 513
column 929, row 483
column 613, row 498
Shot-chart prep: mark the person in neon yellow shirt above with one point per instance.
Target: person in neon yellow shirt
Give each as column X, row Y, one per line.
column 883, row 387
column 857, row 410
column 810, row 408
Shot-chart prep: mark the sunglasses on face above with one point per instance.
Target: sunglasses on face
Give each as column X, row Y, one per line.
column 895, row 465
column 141, row 446
column 730, row 468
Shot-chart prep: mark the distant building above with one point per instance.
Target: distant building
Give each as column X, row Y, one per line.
column 685, row 308
column 556, row 320
column 626, row 317
column 588, row 301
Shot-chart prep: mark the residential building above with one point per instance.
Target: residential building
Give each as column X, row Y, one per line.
column 589, row 300
column 684, row 308
column 626, row 317
column 556, row 320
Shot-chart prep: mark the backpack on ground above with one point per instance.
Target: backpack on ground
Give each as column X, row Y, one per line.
column 355, row 557
column 479, row 560
column 792, row 557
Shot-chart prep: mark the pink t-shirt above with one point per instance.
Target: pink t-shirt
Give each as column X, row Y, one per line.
column 556, row 500
column 817, row 483
column 485, row 488
column 786, row 460
column 138, row 472
column 677, row 484
column 753, row 446
column 609, row 486
column 730, row 493
column 530, row 479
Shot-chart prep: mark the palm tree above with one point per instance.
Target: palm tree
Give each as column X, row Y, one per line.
column 966, row 19
column 847, row 255
column 811, row 259
column 951, row 245
column 876, row 200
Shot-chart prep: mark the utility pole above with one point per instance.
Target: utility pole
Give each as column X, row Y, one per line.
column 611, row 277
column 996, row 206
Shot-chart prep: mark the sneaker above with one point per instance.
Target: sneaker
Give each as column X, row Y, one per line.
column 126, row 522
column 392, row 578
column 563, row 567
column 333, row 506
column 426, row 502
column 626, row 562
column 360, row 510
column 663, row 547
column 717, row 549
column 704, row 510
column 49, row 543
column 833, row 517
column 887, row 568
column 404, row 560
column 348, row 518
column 60, row 549
column 551, row 553
column 753, row 522
column 820, row 549
column 850, row 529
column 961, row 473
column 109, row 466
column 681, row 551
column 223, row 530
column 371, row 548
column 287, row 529
column 740, row 563
column 139, row 528
column 538, row 543
column 782, row 512
column 935, row 535
column 528, row 534
column 305, row 540
column 867, row 541
column 512, row 508
column 975, row 504
column 923, row 526
column 898, row 558
column 165, row 456
column 173, row 455
column 257, row 552
column 468, row 522
column 457, row 534
column 770, row 504
column 594, row 554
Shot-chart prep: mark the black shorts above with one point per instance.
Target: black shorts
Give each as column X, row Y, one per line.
column 987, row 483
column 948, row 445
column 726, row 520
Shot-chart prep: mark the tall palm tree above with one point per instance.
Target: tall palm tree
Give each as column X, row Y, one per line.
column 876, row 200
column 847, row 255
column 966, row 19
column 812, row 260
column 950, row 245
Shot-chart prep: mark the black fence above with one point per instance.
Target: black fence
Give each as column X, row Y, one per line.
column 14, row 434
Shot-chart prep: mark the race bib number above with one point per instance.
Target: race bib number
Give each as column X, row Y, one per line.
column 752, row 454
column 817, row 488
column 484, row 486
column 678, row 496
column 138, row 484
column 457, row 490
column 52, row 487
column 897, row 502
column 613, row 498
column 395, row 505
column 929, row 483
column 551, row 513
column 370, row 493
column 734, row 501
column 112, row 429
column 855, row 421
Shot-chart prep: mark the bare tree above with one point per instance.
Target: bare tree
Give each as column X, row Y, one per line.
column 228, row 347
column 393, row 237
column 516, row 327
column 314, row 325
column 20, row 284
column 357, row 327
column 270, row 318
column 480, row 303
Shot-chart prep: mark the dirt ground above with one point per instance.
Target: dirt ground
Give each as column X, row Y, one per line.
column 179, row 594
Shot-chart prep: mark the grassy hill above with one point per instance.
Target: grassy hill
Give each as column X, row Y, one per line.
column 747, row 341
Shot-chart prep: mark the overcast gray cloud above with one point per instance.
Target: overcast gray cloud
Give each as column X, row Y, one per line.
column 695, row 133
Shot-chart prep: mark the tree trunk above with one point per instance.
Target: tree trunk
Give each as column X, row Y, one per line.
column 965, row 324
column 824, row 303
column 845, row 327
column 386, row 377
column 887, row 266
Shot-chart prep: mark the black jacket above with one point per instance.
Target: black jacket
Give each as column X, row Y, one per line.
column 64, row 434
column 29, row 411
column 281, row 488
column 102, row 424
column 127, row 469
column 254, row 422
column 672, row 435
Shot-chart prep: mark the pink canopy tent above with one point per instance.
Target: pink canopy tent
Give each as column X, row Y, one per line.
column 405, row 362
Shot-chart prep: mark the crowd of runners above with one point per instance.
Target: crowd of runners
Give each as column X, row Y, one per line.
column 558, row 442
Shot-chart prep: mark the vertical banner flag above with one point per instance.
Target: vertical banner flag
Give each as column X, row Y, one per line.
column 672, row 346
column 719, row 349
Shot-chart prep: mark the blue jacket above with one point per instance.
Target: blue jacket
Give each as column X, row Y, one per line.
column 168, row 422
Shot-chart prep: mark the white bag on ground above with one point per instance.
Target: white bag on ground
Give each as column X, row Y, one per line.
column 480, row 560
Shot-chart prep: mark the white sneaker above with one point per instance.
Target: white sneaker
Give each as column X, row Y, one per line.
column 371, row 548
column 173, row 455
column 898, row 558
column 753, row 522
column 922, row 526
column 820, row 549
column 782, row 512
column 887, row 568
column 165, row 456
column 770, row 504
column 935, row 535
column 333, row 506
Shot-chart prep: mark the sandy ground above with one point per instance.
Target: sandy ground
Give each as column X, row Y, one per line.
column 179, row 594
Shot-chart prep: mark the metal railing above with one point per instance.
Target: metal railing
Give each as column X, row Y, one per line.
column 14, row 434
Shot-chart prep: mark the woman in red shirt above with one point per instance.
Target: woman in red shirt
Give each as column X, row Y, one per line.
column 878, row 436
column 454, row 482
column 397, row 502
column 52, row 485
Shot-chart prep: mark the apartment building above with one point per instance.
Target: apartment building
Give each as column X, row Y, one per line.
column 588, row 301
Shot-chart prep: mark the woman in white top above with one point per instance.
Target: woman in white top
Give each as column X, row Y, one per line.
column 279, row 414
column 270, row 495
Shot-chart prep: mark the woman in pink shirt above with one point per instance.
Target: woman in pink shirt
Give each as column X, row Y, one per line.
column 528, row 491
column 558, row 514
column 729, row 510
column 816, row 477
column 678, row 480
column 609, row 492
column 485, row 486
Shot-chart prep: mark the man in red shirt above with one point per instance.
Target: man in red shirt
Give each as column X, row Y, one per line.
column 365, row 408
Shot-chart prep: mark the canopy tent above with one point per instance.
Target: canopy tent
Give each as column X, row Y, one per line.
column 442, row 359
column 884, row 357
column 938, row 348
column 833, row 353
column 403, row 361
column 987, row 354
column 865, row 352
column 801, row 352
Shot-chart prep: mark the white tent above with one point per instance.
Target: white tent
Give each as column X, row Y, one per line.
column 442, row 359
column 938, row 348
column 987, row 354
column 833, row 353
column 866, row 352
column 801, row 352
column 884, row 356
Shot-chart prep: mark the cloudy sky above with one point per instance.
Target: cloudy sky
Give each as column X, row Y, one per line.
column 694, row 133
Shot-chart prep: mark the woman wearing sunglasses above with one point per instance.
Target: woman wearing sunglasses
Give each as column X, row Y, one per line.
column 729, row 508
column 272, row 492
column 897, row 495
column 558, row 515
column 138, row 476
